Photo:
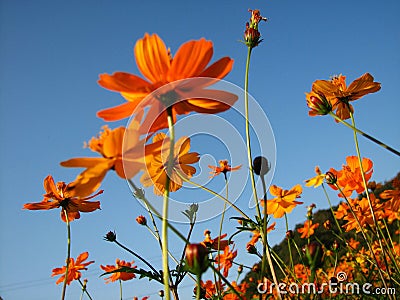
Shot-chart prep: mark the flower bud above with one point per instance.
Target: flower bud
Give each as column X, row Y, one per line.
column 328, row 225
column 240, row 269
column 289, row 234
column 261, row 165
column 335, row 245
column 111, row 236
column 196, row 258
column 161, row 293
column 318, row 104
column 141, row 220
column 330, row 178
column 313, row 252
column 251, row 249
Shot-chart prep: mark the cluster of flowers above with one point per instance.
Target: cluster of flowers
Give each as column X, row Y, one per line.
column 154, row 102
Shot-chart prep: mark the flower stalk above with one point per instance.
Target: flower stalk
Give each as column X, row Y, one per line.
column 64, row 289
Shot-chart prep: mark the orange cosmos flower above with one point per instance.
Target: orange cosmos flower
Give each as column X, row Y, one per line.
column 284, row 201
column 349, row 179
column 224, row 168
column 119, row 275
column 363, row 213
column 213, row 243
column 225, row 260
column 65, row 196
column 160, row 68
column 156, row 164
column 109, row 145
column 340, row 95
column 74, row 268
column 308, row 229
column 353, row 243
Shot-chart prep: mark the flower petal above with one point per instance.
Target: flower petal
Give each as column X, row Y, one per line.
column 152, row 58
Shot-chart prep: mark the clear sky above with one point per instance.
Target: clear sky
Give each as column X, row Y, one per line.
column 51, row 53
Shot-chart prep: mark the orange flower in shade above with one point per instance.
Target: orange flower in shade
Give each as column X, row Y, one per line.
column 109, row 145
column 213, row 243
column 308, row 229
column 340, row 95
column 317, row 180
column 159, row 68
column 65, row 196
column 363, row 213
column 257, row 235
column 284, row 202
column 156, row 164
column 353, row 243
column 224, row 168
column 392, row 205
column 225, row 260
column 242, row 288
column 349, row 179
column 119, row 275
column 209, row 289
column 74, row 268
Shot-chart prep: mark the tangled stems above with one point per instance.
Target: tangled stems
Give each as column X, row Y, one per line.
column 165, row 204
column 365, row 134
column 64, row 289
column 84, row 290
column 365, row 186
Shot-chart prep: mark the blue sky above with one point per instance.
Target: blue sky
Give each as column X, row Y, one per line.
column 51, row 54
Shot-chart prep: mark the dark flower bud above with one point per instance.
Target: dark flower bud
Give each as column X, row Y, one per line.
column 196, row 258
column 161, row 293
column 111, row 236
column 261, row 165
column 335, row 245
column 330, row 178
column 328, row 225
column 289, row 234
column 251, row 249
column 318, row 104
column 240, row 269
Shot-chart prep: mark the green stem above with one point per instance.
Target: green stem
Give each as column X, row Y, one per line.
column 170, row 165
column 138, row 256
column 264, row 234
column 248, row 144
column 288, row 240
column 84, row 289
column 331, row 208
column 220, row 233
column 213, row 193
column 198, row 289
column 365, row 135
column 366, row 187
column 64, row 289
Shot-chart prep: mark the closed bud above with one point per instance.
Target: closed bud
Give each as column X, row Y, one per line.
column 335, row 245
column 289, row 234
column 196, row 256
column 318, row 104
column 328, row 225
column 141, row 220
column 111, row 236
column 240, row 269
column 261, row 165
column 313, row 253
column 161, row 293
column 330, row 178
column 251, row 249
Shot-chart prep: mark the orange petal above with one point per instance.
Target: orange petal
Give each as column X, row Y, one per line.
column 152, row 58
column 112, row 145
column 83, row 162
column 124, row 83
column 119, row 112
column 219, row 69
column 190, row 60
column 362, row 86
column 50, row 187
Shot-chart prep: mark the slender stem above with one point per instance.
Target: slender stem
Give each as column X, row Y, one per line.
column 331, row 208
column 288, row 241
column 264, row 235
column 366, row 187
column 248, row 144
column 84, row 289
column 198, row 290
column 140, row 195
column 366, row 135
column 170, row 165
column 138, row 256
column 64, row 289
column 220, row 233
column 226, row 281
column 120, row 288
column 213, row 193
